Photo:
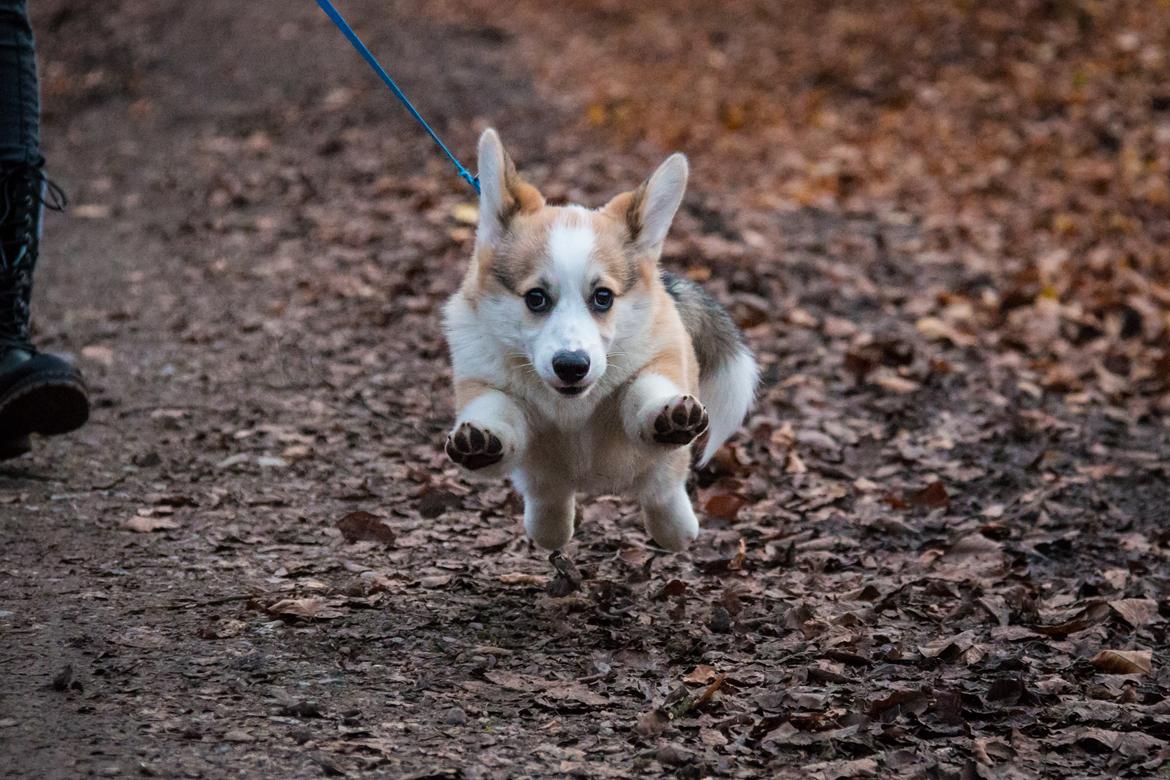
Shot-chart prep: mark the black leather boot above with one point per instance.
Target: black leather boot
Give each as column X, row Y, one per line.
column 39, row 393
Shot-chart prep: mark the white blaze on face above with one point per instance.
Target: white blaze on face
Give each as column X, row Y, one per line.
column 570, row 325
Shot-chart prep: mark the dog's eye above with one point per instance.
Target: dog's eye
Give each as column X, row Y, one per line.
column 602, row 299
column 536, row 299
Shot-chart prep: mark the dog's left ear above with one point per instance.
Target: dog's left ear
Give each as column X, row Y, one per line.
column 503, row 194
column 648, row 211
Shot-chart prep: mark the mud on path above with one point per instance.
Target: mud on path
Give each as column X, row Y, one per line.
column 937, row 550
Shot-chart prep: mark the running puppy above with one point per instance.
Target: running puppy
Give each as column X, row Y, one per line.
column 580, row 365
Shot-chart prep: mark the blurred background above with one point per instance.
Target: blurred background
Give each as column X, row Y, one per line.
column 1027, row 142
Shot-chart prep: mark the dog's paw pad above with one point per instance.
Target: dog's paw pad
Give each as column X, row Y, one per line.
column 473, row 447
column 681, row 421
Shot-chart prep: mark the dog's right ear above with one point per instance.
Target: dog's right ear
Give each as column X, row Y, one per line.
column 502, row 193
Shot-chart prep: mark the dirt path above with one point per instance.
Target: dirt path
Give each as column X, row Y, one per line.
column 909, row 561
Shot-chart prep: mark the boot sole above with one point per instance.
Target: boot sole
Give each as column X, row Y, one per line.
column 14, row 448
column 46, row 404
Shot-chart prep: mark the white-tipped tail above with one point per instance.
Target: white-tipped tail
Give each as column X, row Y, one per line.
column 728, row 393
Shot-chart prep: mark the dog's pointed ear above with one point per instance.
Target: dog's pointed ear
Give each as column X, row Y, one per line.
column 648, row 211
column 502, row 193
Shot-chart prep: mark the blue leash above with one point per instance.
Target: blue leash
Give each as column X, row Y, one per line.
column 332, row 12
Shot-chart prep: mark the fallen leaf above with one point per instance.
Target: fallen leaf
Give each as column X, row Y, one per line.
column 975, row 544
column 724, row 505
column 146, row 525
column 1097, row 740
column 307, row 609
column 99, row 353
column 895, row 383
column 636, row 556
column 889, row 707
column 712, row 738
column 652, row 724
column 1136, row 612
column 937, row 330
column 364, row 526
column 949, row 648
column 1124, row 661
column 933, row 496
column 841, row 769
column 672, row 589
column 223, row 629
column 701, row 675
column 520, row 578
column 574, row 691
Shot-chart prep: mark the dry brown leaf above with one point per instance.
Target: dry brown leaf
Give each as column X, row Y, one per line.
column 672, row 589
column 949, row 647
column 794, row 465
column 99, row 353
column 933, row 496
column 975, row 544
column 515, row 682
column 725, row 505
column 364, row 526
column 652, row 723
column 521, row 578
column 701, row 675
column 1127, row 743
column 1136, row 612
column 1124, row 661
column 575, row 691
column 935, row 329
column 636, row 556
column 145, row 525
column 712, row 738
column 307, row 609
column 894, row 383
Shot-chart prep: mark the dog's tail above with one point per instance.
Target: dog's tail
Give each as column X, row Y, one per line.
column 728, row 374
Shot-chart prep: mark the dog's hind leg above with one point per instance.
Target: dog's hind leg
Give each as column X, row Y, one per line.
column 490, row 431
column 666, row 509
column 549, row 511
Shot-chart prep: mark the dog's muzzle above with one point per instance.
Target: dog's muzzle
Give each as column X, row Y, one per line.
column 571, row 366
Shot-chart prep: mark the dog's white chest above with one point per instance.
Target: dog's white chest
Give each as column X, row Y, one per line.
column 594, row 457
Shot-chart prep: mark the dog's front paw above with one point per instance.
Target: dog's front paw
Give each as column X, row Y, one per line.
column 473, row 447
column 681, row 421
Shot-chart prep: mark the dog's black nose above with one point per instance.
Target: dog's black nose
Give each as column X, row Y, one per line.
column 571, row 366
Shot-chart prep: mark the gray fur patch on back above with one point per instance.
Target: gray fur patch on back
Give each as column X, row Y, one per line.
column 712, row 332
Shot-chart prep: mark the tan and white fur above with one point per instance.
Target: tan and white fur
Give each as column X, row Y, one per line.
column 573, row 368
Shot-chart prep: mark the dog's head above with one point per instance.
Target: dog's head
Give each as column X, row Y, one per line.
column 560, row 286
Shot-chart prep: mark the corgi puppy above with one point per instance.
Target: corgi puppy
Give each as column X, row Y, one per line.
column 579, row 365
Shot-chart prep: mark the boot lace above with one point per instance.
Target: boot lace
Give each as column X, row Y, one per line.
column 24, row 191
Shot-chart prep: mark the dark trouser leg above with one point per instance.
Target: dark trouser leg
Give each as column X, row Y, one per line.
column 20, row 110
column 39, row 393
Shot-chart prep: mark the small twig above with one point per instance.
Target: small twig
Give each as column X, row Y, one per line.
column 695, row 702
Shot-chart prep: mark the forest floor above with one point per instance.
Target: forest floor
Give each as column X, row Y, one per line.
column 939, row 547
